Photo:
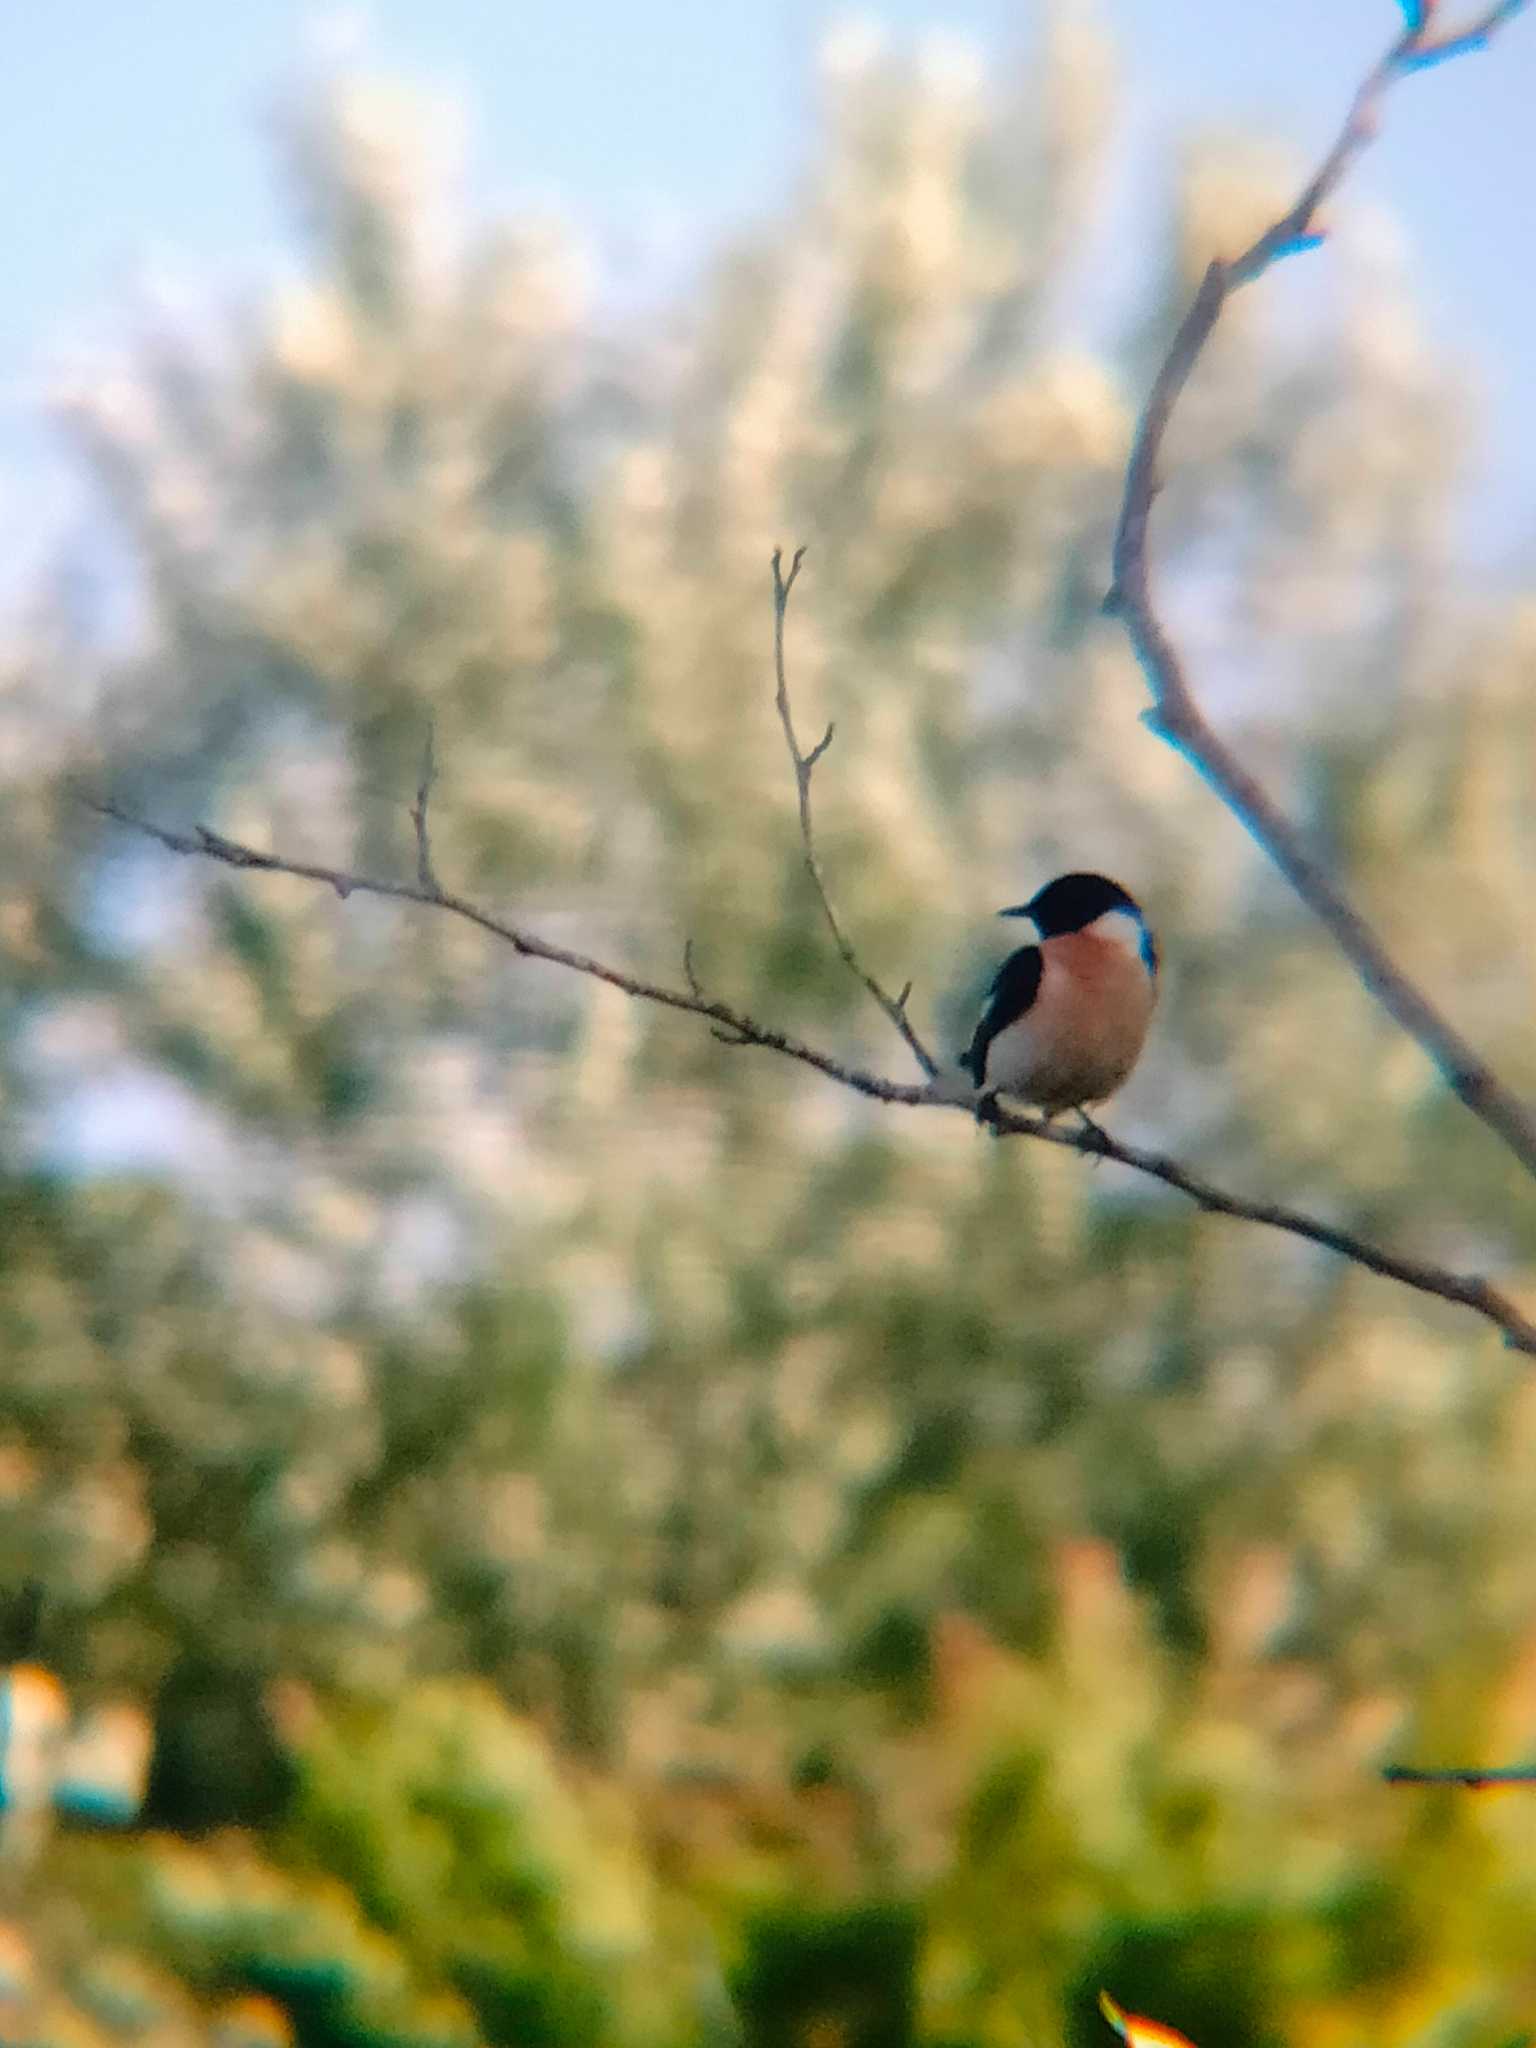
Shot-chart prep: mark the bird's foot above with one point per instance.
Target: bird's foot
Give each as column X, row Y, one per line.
column 1097, row 1138
column 987, row 1113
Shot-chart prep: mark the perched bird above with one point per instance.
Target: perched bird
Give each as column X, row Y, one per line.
column 1065, row 1017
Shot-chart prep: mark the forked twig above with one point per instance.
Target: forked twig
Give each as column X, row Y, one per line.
column 895, row 1007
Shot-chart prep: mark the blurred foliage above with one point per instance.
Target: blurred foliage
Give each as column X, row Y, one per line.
column 624, row 1542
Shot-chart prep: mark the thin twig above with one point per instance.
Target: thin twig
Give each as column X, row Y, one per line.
column 1465, row 1291
column 1473, row 1779
column 1177, row 717
column 727, row 1034
column 1458, row 44
column 424, row 873
column 895, row 1007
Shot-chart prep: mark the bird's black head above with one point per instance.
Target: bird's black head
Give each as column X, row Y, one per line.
column 1073, row 901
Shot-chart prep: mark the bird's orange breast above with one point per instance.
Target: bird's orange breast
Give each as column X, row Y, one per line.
column 1095, row 1002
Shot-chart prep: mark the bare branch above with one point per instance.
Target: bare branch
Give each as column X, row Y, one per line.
column 231, row 853
column 737, row 1028
column 1177, row 717
column 895, row 1007
column 1466, row 1290
column 1473, row 1779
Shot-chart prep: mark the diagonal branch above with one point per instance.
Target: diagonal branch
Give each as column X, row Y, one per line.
column 736, row 1027
column 231, row 853
column 1176, row 716
column 895, row 1007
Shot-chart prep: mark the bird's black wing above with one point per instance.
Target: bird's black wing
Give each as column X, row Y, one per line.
column 1014, row 987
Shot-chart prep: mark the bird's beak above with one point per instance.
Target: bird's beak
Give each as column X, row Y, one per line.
column 1017, row 910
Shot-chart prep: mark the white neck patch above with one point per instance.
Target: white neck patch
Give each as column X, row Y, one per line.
column 1122, row 928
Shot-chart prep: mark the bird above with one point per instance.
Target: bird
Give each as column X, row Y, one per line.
column 1065, row 1017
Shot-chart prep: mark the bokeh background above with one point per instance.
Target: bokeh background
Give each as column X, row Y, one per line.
column 520, row 1524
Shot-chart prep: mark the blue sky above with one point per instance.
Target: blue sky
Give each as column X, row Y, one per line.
column 132, row 138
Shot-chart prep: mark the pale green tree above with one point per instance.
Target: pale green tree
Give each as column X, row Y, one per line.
column 883, row 1520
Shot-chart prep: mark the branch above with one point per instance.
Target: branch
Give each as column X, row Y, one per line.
column 1466, row 1290
column 231, row 853
column 736, row 1027
column 1473, row 1779
column 1175, row 716
column 895, row 1007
